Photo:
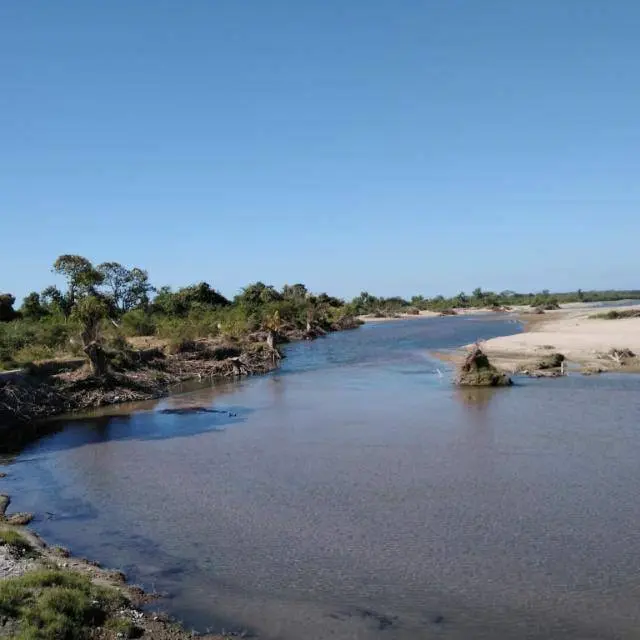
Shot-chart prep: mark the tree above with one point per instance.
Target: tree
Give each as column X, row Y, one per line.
column 89, row 313
column 365, row 302
column 56, row 301
column 126, row 288
column 183, row 300
column 294, row 292
column 32, row 307
column 477, row 293
column 7, row 312
column 82, row 279
column 257, row 294
column 461, row 299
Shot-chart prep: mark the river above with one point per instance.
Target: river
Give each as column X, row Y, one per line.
column 355, row 493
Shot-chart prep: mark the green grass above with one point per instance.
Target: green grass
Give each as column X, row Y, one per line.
column 50, row 604
column 123, row 628
column 15, row 542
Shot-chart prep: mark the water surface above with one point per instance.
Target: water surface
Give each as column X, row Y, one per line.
column 356, row 493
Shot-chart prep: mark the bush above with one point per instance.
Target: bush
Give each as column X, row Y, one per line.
column 14, row 542
column 138, row 323
column 56, row 605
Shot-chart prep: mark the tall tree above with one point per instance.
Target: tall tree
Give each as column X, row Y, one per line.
column 82, row 277
column 125, row 288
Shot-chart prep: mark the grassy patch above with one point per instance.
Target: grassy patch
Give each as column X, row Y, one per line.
column 50, row 604
column 15, row 542
column 123, row 628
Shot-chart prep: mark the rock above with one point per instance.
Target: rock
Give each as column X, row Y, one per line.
column 20, row 519
column 3, row 474
column 477, row 371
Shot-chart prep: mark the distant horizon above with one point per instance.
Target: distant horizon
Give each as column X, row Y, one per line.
column 394, row 148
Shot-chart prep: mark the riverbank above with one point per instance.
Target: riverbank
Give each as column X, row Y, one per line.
column 587, row 340
column 46, row 592
column 144, row 369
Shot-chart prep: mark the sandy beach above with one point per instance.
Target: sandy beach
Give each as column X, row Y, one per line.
column 424, row 314
column 573, row 332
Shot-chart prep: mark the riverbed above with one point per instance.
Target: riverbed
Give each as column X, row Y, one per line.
column 355, row 493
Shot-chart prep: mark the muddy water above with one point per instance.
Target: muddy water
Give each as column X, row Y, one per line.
column 356, row 494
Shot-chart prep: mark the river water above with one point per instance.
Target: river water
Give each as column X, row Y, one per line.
column 356, row 493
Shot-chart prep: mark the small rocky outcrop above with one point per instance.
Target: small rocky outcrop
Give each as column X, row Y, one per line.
column 477, row 371
column 550, row 361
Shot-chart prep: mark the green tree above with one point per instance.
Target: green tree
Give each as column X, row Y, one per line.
column 257, row 294
column 7, row 312
column 126, row 288
column 55, row 301
column 82, row 279
column 294, row 292
column 32, row 307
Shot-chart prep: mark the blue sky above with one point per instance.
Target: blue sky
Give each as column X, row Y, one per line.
column 421, row 146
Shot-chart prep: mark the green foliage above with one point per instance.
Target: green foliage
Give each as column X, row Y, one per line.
column 138, row 322
column 258, row 294
column 125, row 289
column 32, row 307
column 7, row 312
column 56, row 605
column 294, row 292
column 14, row 542
column 88, row 313
column 23, row 341
column 184, row 300
column 123, row 628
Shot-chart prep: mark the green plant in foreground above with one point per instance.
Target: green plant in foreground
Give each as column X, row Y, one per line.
column 56, row 605
column 14, row 542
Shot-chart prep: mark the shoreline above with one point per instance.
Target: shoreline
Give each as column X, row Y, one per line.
column 28, row 399
column 31, row 556
column 590, row 344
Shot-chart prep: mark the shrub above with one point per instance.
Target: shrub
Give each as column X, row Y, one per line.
column 56, row 605
column 14, row 542
column 138, row 323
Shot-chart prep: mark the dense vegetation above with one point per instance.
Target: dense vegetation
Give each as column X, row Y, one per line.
column 365, row 303
column 108, row 303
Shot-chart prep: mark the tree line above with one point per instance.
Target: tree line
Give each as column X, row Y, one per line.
column 110, row 299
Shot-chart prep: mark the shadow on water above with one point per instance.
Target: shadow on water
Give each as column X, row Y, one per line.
column 178, row 416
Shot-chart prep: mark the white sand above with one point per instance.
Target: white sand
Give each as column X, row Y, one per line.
column 568, row 331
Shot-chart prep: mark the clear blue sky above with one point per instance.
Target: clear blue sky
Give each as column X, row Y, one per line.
column 420, row 146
